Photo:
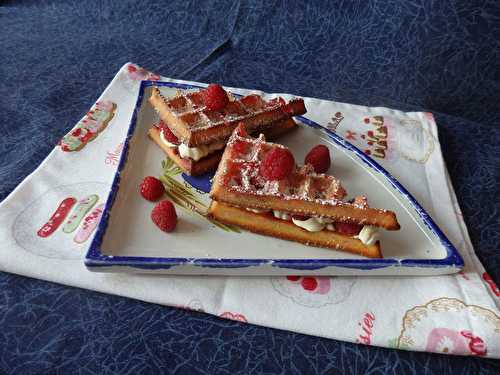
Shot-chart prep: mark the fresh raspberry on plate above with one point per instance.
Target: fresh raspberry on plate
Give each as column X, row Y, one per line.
column 215, row 97
column 168, row 135
column 151, row 188
column 319, row 158
column 277, row 164
column 164, row 216
column 348, row 229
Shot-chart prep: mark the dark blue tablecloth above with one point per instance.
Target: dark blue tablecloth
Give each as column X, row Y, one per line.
column 55, row 59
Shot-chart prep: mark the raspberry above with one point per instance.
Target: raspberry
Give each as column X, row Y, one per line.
column 309, row 283
column 241, row 130
column 319, row 158
column 215, row 97
column 293, row 278
column 277, row 164
column 167, row 134
column 278, row 102
column 348, row 229
column 251, row 100
column 151, row 188
column 164, row 216
column 131, row 68
column 240, row 147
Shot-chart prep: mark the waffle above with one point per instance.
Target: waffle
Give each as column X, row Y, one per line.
column 238, row 183
column 268, row 225
column 210, row 162
column 194, row 125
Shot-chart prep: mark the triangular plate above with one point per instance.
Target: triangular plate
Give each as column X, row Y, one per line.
column 127, row 241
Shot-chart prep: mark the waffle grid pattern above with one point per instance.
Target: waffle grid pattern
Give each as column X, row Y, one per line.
column 240, row 173
column 189, row 108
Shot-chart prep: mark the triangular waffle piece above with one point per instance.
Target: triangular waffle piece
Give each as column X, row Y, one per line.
column 241, row 196
column 194, row 124
column 238, row 182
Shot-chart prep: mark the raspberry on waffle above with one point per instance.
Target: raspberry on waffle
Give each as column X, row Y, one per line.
column 285, row 205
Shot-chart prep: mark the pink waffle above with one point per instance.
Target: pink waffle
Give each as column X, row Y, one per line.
column 304, row 192
column 194, row 124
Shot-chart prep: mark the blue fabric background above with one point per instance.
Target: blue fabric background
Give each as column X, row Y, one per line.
column 56, row 58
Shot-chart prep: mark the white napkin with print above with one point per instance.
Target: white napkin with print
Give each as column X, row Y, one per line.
column 456, row 314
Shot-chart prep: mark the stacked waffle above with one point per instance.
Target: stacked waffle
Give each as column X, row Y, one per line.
column 194, row 135
column 302, row 206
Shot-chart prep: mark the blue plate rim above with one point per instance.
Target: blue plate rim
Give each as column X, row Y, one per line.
column 95, row 257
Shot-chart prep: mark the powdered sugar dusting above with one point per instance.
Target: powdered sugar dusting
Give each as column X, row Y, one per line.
column 190, row 108
column 239, row 172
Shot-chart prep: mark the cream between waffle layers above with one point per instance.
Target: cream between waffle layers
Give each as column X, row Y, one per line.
column 304, row 206
column 197, row 135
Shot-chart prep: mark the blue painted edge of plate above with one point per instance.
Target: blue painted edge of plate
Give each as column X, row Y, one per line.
column 96, row 259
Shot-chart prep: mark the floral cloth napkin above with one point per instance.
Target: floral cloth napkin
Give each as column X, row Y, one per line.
column 456, row 314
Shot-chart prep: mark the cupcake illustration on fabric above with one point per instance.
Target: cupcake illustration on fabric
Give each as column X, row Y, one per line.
column 435, row 327
column 134, row 74
column 445, row 340
column 233, row 316
column 335, row 121
column 89, row 127
column 60, row 223
column 389, row 139
column 314, row 291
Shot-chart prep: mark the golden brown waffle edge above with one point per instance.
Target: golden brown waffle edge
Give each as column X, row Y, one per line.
column 333, row 208
column 267, row 225
column 218, row 130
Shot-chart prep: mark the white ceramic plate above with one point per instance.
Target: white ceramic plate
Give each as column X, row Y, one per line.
column 126, row 240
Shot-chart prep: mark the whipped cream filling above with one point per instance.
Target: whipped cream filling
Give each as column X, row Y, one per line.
column 194, row 153
column 311, row 224
column 315, row 223
column 281, row 215
column 368, row 235
column 257, row 211
column 330, row 227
